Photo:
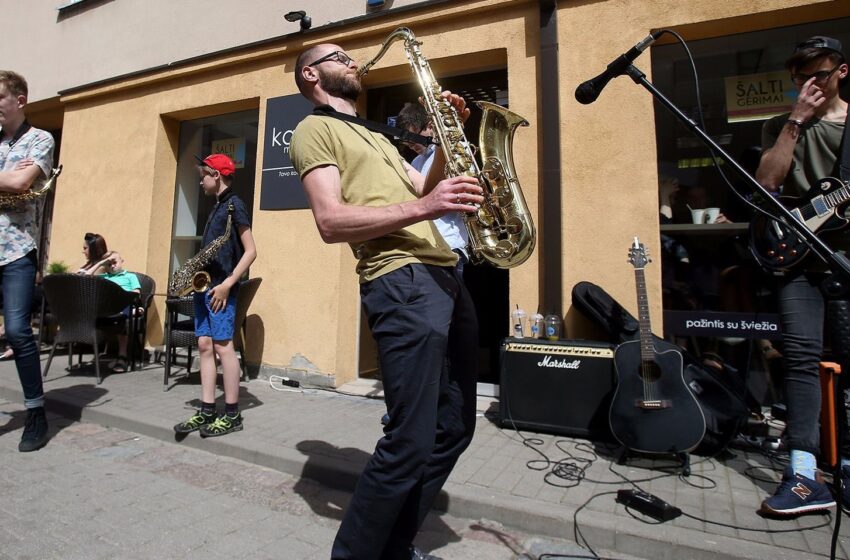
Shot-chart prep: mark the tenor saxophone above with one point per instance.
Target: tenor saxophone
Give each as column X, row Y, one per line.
column 501, row 231
column 191, row 277
column 13, row 201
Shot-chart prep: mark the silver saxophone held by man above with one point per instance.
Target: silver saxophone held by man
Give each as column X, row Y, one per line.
column 501, row 231
column 191, row 277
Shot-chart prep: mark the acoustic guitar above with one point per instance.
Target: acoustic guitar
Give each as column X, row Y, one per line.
column 774, row 244
column 653, row 410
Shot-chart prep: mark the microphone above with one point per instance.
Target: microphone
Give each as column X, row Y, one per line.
column 587, row 92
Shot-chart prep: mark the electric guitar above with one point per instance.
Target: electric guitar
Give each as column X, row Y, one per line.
column 653, row 410
column 774, row 244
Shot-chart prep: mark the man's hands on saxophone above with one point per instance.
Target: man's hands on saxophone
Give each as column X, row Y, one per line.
column 455, row 194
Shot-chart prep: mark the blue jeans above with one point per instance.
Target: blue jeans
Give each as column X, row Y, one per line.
column 426, row 331
column 18, row 278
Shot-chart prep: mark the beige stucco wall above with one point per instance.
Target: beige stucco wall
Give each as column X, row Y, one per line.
column 119, row 152
column 101, row 39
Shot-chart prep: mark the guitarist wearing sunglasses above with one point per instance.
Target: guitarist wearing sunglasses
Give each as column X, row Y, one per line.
column 801, row 148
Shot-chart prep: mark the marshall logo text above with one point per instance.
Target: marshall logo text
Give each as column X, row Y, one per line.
column 548, row 361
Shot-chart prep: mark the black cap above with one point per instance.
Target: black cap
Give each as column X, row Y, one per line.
column 821, row 42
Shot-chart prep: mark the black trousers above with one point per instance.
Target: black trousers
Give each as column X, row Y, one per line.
column 424, row 323
column 804, row 313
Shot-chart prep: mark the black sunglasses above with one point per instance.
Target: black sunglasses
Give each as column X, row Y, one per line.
column 336, row 56
column 820, row 76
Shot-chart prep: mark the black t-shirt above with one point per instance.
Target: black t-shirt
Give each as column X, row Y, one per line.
column 228, row 256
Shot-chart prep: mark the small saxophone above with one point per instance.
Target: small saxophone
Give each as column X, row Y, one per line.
column 191, row 277
column 12, row 201
column 501, row 232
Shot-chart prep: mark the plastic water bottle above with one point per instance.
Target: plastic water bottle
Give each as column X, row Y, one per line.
column 553, row 326
column 518, row 317
column 538, row 326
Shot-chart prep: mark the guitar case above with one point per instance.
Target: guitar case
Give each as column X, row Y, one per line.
column 722, row 404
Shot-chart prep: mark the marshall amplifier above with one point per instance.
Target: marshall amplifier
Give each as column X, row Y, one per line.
column 562, row 387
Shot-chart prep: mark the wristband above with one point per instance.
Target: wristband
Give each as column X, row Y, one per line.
column 798, row 122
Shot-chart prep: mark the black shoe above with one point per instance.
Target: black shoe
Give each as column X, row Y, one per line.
column 35, row 430
column 195, row 422
column 845, row 488
column 416, row 554
column 224, row 424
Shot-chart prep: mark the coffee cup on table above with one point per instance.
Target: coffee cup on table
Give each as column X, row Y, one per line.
column 711, row 215
column 698, row 215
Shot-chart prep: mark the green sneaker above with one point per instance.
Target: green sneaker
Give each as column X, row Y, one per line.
column 224, row 424
column 196, row 422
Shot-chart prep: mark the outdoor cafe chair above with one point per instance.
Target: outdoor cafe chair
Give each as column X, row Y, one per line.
column 77, row 302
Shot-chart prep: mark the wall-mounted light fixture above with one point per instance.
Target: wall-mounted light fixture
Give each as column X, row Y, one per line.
column 301, row 16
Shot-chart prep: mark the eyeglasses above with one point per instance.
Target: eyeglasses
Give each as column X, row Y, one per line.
column 822, row 76
column 336, row 56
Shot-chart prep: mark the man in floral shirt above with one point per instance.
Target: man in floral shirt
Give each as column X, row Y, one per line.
column 26, row 157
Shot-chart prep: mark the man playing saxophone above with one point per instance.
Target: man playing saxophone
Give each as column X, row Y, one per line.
column 362, row 192
column 21, row 144
column 215, row 308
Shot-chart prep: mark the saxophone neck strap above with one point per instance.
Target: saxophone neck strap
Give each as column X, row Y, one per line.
column 393, row 131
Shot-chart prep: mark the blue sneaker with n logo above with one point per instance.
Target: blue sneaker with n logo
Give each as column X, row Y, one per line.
column 798, row 494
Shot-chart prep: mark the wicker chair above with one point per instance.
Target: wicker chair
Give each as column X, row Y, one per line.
column 136, row 350
column 77, row 302
column 247, row 291
column 178, row 334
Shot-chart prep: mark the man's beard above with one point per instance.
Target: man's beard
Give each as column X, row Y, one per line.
column 341, row 85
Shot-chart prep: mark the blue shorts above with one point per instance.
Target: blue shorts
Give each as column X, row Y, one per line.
column 218, row 326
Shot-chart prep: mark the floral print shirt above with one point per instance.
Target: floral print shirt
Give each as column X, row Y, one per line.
column 19, row 227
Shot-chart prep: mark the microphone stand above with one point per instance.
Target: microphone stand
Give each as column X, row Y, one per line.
column 839, row 281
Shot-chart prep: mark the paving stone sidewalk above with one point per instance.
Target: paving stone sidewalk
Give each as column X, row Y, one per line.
column 541, row 484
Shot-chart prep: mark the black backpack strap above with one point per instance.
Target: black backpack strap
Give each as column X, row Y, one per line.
column 395, row 132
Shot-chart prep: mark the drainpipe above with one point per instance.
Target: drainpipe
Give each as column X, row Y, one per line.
column 550, row 187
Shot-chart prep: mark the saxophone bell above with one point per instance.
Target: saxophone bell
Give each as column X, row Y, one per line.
column 200, row 282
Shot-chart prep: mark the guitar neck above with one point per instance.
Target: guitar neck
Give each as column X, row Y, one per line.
column 647, row 349
column 838, row 197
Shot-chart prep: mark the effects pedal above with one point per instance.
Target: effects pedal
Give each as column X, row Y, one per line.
column 648, row 504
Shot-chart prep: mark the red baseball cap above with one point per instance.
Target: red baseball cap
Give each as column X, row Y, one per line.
column 219, row 162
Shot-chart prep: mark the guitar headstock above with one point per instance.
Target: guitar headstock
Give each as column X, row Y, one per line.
column 638, row 255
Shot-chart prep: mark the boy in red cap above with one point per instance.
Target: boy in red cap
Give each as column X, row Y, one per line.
column 215, row 309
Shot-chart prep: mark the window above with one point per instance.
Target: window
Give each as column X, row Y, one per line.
column 725, row 65
column 234, row 134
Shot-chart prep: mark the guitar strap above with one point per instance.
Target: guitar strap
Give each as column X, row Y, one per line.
column 844, row 162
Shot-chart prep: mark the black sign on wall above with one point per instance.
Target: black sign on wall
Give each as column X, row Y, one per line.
column 281, row 187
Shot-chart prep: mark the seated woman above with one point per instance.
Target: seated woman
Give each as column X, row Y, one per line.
column 113, row 266
column 94, row 249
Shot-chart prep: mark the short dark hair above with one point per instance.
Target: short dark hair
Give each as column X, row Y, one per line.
column 14, row 82
column 814, row 48
column 413, row 115
column 300, row 63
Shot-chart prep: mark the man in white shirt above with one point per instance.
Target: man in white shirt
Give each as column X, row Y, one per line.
column 414, row 118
